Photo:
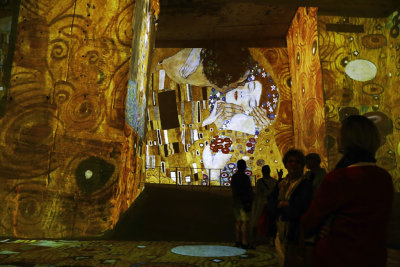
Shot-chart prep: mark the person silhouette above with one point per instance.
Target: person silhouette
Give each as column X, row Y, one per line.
column 242, row 194
column 354, row 202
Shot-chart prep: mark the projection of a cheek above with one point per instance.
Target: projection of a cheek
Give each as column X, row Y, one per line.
column 247, row 109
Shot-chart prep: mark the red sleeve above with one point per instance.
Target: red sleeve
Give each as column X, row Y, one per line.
column 327, row 200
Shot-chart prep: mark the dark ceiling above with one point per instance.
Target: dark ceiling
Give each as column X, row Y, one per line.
column 250, row 23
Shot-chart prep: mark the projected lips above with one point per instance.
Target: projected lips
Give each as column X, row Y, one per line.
column 92, row 174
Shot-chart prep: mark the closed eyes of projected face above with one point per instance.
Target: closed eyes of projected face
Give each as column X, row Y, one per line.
column 247, row 96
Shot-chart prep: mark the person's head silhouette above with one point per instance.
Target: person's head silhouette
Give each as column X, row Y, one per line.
column 241, row 165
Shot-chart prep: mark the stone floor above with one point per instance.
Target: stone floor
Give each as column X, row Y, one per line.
column 42, row 253
column 47, row 253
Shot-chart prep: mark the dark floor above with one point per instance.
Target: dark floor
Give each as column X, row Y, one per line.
column 162, row 218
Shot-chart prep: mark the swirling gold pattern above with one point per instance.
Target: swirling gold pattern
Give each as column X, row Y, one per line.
column 28, row 136
column 24, row 209
column 69, row 74
column 307, row 91
column 84, row 111
column 124, row 25
column 312, row 123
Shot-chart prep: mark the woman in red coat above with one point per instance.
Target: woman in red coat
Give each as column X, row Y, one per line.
column 353, row 202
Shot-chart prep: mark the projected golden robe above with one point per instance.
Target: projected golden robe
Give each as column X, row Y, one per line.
column 209, row 108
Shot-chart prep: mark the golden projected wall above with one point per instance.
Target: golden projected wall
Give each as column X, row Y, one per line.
column 69, row 164
column 361, row 75
column 209, row 108
column 307, row 94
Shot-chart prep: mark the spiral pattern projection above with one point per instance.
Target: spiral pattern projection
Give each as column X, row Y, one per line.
column 307, row 91
column 67, row 92
column 375, row 98
column 282, row 128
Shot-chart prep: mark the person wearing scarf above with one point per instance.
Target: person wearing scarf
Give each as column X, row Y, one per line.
column 353, row 203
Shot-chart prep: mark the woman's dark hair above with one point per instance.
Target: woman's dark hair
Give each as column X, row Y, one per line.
column 294, row 153
column 223, row 67
column 359, row 132
column 241, row 165
column 313, row 157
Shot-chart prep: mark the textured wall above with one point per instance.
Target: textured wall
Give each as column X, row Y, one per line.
column 69, row 165
column 307, row 93
column 361, row 75
column 177, row 140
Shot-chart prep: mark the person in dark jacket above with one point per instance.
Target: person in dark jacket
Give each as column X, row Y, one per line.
column 242, row 194
column 353, row 203
column 294, row 196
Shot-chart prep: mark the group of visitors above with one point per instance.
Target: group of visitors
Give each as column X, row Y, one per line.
column 319, row 219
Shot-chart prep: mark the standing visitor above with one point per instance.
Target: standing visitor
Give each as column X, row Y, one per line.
column 242, row 194
column 316, row 173
column 293, row 199
column 264, row 188
column 355, row 199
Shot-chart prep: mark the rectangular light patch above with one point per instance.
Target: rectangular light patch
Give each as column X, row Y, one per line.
column 166, row 136
column 194, row 167
column 173, row 176
column 161, row 79
column 188, row 93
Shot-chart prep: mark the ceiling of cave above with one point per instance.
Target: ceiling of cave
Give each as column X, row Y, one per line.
column 251, row 23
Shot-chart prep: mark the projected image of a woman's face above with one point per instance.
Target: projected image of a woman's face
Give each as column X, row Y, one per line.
column 246, row 96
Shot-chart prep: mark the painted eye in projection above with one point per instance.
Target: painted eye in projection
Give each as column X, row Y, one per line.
column 394, row 31
column 231, row 165
column 314, row 48
column 224, row 175
column 374, row 41
column 92, row 174
column 260, row 162
column 372, row 89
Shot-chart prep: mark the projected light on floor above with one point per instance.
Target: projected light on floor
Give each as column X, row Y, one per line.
column 208, row 251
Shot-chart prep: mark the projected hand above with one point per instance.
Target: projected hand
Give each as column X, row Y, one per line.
column 260, row 117
column 221, row 112
column 191, row 63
